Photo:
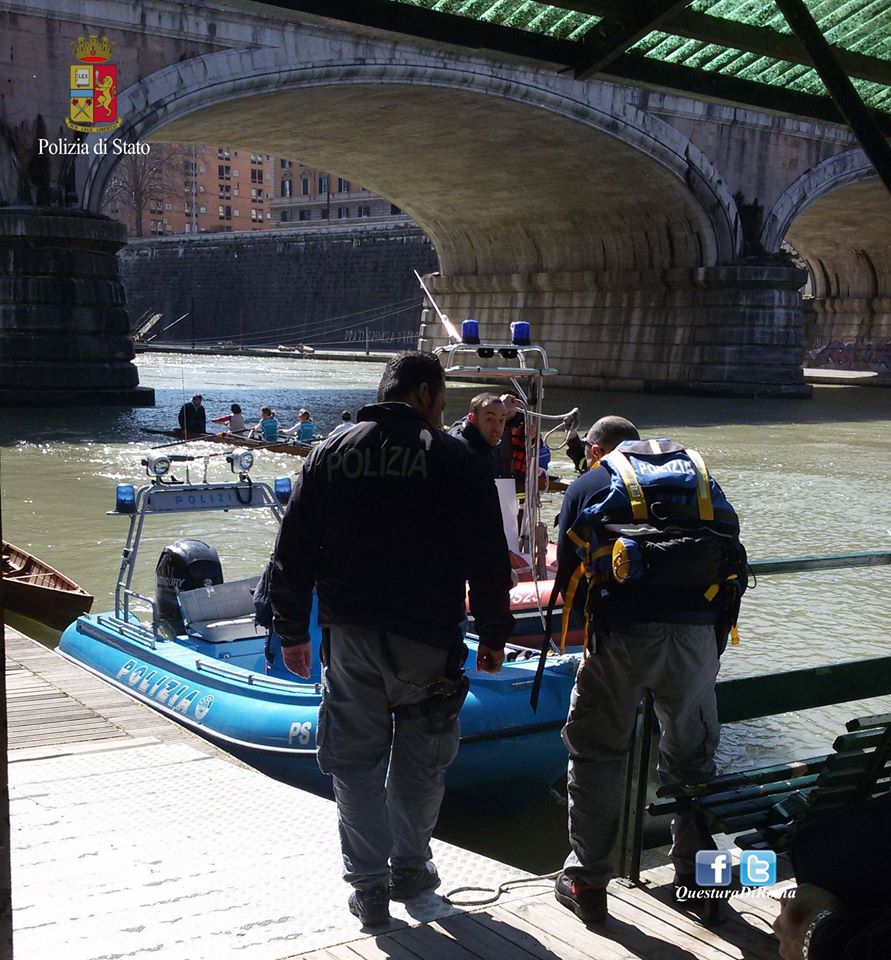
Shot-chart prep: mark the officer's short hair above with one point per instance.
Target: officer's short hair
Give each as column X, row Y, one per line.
column 406, row 372
column 609, row 432
column 482, row 400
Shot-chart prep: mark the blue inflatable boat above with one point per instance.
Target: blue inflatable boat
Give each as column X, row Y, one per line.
column 197, row 656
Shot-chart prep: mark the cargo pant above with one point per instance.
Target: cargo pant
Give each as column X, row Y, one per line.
column 679, row 664
column 387, row 769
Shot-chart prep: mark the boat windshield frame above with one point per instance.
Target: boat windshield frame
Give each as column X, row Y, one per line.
column 158, row 498
column 527, row 374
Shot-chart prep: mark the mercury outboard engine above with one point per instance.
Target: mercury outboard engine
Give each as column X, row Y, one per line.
column 184, row 565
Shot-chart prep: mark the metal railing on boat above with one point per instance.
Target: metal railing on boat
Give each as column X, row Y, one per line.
column 256, row 679
column 752, row 698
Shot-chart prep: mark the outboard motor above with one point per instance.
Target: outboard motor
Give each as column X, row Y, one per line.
column 184, row 565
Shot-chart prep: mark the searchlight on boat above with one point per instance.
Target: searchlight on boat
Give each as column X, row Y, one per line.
column 240, row 461
column 157, row 464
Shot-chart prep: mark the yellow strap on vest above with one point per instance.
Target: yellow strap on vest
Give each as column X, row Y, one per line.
column 576, row 539
column 703, row 488
column 734, row 636
column 621, row 465
column 568, row 597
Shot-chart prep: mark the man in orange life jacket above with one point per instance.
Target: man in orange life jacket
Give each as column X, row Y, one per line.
column 388, row 522
column 652, row 641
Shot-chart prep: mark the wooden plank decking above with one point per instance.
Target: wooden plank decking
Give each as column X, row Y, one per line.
column 131, row 836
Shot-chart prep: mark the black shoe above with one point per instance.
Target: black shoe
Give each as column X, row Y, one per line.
column 586, row 902
column 372, row 906
column 405, row 884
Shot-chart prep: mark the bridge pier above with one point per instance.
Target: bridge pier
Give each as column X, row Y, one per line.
column 733, row 330
column 64, row 329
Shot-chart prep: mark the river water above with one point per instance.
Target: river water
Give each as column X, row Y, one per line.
column 807, row 477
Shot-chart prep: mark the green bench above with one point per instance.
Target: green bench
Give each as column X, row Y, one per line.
column 763, row 807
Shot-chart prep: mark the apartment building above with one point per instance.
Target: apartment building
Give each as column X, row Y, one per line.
column 182, row 189
column 307, row 196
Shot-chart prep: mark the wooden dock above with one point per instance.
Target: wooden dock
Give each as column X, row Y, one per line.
column 132, row 837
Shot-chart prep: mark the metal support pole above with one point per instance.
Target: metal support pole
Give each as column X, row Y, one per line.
column 839, row 86
column 634, row 808
column 5, row 839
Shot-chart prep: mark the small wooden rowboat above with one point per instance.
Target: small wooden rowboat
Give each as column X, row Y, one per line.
column 233, row 440
column 39, row 591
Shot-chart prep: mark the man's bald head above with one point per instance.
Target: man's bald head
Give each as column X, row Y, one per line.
column 606, row 434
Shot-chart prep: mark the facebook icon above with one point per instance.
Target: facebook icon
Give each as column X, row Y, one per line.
column 713, row 868
column 757, row 868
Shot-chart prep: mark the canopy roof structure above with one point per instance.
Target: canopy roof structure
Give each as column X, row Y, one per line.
column 825, row 60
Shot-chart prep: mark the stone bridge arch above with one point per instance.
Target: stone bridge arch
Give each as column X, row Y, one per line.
column 623, row 189
column 837, row 218
column 586, row 208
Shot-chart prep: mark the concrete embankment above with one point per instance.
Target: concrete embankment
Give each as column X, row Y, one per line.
column 375, row 356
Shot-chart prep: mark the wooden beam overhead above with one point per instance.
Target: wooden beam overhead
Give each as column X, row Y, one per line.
column 739, row 36
column 611, row 37
column 644, row 71
column 427, row 26
column 840, row 88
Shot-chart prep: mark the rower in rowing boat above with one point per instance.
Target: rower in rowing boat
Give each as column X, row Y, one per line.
column 192, row 418
column 267, row 428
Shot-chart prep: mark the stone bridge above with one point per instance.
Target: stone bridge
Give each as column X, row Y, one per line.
column 655, row 241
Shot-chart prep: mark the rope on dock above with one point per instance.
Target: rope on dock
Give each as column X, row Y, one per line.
column 496, row 892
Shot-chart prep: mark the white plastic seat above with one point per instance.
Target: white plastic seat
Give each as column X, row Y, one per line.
column 222, row 612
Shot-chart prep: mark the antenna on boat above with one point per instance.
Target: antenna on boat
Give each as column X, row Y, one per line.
column 449, row 326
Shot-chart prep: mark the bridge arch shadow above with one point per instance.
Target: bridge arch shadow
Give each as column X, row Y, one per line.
column 506, row 171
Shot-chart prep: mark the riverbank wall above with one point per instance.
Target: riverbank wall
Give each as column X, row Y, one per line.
column 336, row 288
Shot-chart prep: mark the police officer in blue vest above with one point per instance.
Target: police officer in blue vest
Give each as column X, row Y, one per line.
column 647, row 512
column 388, row 522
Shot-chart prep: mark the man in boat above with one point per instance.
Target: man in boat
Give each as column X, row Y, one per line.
column 388, row 522
column 643, row 636
column 346, row 422
column 192, row 418
column 481, row 430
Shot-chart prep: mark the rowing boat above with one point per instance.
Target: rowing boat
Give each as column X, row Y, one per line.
column 34, row 588
column 234, row 440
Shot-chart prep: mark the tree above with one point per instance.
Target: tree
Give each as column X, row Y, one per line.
column 140, row 178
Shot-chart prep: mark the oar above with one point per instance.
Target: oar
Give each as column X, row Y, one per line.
column 835, row 561
column 176, row 443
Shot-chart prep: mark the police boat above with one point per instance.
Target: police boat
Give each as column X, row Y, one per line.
column 195, row 654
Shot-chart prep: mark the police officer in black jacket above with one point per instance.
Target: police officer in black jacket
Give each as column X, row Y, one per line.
column 388, row 521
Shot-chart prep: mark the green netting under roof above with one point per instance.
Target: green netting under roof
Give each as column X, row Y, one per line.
column 859, row 26
column 528, row 15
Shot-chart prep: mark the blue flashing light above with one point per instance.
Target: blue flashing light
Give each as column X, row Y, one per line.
column 520, row 333
column 283, row 489
column 125, row 498
column 470, row 331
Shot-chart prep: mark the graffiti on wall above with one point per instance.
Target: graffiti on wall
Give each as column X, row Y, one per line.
column 851, row 355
